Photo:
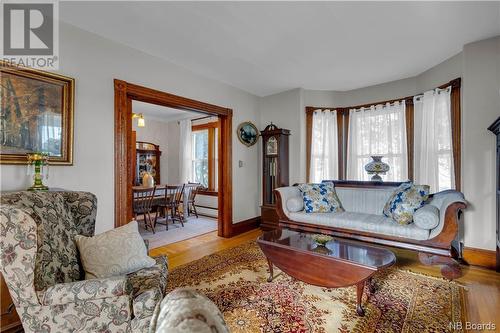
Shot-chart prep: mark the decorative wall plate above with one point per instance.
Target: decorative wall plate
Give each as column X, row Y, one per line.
column 247, row 133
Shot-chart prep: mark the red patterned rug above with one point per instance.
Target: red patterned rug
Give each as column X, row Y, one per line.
column 235, row 279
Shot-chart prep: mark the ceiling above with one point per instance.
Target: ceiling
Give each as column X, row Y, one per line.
column 269, row 47
column 163, row 113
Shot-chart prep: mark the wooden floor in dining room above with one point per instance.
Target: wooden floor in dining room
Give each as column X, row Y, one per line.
column 483, row 285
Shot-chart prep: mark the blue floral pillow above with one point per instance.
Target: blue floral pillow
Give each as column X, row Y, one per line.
column 405, row 200
column 320, row 198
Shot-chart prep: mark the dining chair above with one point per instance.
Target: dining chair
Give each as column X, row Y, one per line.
column 143, row 204
column 171, row 203
column 191, row 190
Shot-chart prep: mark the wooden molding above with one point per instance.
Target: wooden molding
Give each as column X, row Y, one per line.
column 480, row 257
column 208, row 193
column 124, row 94
column 213, row 124
column 210, row 127
column 456, row 132
column 244, row 226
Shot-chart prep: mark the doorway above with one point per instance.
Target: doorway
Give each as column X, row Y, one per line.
column 125, row 94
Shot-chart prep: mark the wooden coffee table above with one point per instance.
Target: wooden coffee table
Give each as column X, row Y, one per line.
column 340, row 263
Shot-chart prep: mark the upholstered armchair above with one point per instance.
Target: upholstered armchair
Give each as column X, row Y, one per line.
column 40, row 264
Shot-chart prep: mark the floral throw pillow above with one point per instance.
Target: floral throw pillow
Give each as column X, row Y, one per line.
column 405, row 200
column 320, row 198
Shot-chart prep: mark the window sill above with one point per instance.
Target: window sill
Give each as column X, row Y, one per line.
column 208, row 192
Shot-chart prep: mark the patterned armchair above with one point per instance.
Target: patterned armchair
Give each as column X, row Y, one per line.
column 41, row 266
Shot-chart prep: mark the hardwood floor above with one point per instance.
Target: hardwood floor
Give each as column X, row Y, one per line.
column 483, row 285
column 182, row 252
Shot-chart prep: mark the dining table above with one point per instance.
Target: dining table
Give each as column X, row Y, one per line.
column 159, row 195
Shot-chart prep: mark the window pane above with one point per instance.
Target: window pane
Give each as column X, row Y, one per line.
column 445, row 167
column 200, row 168
column 377, row 130
column 200, row 144
column 200, row 157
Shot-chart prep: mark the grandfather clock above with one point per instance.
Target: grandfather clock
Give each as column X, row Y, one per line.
column 275, row 171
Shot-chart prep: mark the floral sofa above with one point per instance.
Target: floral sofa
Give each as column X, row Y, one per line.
column 41, row 266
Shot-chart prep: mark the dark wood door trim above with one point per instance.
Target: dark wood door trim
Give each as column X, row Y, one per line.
column 125, row 93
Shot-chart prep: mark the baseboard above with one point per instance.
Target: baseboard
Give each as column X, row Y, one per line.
column 480, row 257
column 244, row 226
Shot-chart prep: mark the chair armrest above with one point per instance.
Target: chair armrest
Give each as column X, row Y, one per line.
column 185, row 310
column 74, row 292
column 161, row 259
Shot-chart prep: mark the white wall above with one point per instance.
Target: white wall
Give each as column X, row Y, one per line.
column 481, row 106
column 286, row 110
column 380, row 92
column 94, row 62
column 166, row 135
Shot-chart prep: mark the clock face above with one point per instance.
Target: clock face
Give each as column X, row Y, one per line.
column 272, row 146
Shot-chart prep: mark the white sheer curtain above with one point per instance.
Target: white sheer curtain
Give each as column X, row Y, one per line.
column 185, row 153
column 324, row 146
column 377, row 130
column 433, row 141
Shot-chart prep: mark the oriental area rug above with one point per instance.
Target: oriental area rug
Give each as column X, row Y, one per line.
column 235, row 280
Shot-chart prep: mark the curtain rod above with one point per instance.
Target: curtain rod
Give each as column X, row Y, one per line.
column 456, row 83
column 202, row 118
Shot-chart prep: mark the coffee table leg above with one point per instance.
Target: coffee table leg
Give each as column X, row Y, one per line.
column 270, row 278
column 359, row 294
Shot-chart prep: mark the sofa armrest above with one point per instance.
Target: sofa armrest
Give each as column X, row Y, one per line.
column 282, row 196
column 445, row 200
column 74, row 292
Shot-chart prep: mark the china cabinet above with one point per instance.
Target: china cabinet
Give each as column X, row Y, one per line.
column 147, row 160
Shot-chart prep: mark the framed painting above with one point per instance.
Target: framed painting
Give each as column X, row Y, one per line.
column 247, row 133
column 36, row 115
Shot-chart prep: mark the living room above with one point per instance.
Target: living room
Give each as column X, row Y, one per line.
column 278, row 63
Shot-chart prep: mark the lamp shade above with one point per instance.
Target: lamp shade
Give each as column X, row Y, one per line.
column 141, row 122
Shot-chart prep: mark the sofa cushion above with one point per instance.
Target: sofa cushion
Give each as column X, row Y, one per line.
column 320, row 198
column 404, row 201
column 295, row 204
column 378, row 224
column 116, row 252
column 426, row 217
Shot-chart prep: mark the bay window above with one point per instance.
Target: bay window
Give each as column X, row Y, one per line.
column 377, row 130
column 418, row 136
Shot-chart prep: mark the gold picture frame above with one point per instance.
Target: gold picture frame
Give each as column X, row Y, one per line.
column 36, row 115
